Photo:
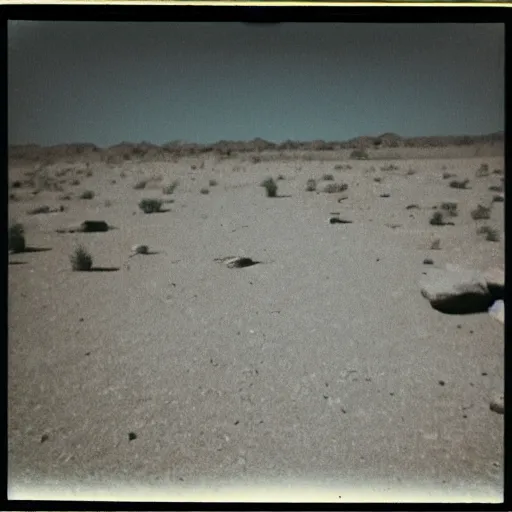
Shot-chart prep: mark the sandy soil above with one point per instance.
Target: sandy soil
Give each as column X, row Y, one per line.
column 321, row 364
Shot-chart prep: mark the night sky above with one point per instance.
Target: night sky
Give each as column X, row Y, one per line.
column 110, row 82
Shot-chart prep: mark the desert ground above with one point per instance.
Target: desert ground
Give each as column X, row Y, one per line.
column 321, row 363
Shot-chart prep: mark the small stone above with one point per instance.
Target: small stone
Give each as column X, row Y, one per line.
column 428, row 261
column 484, row 374
column 132, row 436
column 44, row 438
column 441, row 383
column 140, row 249
column 497, row 404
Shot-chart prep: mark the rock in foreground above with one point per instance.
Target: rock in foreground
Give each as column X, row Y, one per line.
column 456, row 290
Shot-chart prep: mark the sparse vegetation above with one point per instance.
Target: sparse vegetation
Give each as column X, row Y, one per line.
column 16, row 184
column 65, row 197
column 169, row 189
column 87, row 194
column 205, row 190
column 270, row 186
column 389, row 167
column 39, row 210
column 498, row 199
column 213, row 183
column 328, row 177
column 280, row 177
column 75, row 182
column 311, row 185
column 411, row 206
column 491, row 234
column 483, row 171
column 255, row 159
column 437, row 219
column 481, row 212
column 359, row 154
column 496, row 188
column 150, row 205
column 436, row 244
column 334, row 188
column 141, row 184
column 81, row 260
column 459, row 184
column 16, row 238
column 450, row 209
column 499, row 172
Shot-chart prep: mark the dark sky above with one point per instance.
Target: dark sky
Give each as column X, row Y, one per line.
column 111, row 82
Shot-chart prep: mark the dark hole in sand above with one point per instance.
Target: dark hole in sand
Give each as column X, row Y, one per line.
column 465, row 304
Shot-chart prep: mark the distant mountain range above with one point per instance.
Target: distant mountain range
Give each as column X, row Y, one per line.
column 147, row 150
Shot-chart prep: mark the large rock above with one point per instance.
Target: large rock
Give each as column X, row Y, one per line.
column 456, row 290
column 495, row 278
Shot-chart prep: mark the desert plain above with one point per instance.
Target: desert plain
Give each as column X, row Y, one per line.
column 321, row 363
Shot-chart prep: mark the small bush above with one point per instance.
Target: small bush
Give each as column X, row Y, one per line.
column 334, row 188
column 169, row 189
column 496, row 188
column 75, row 182
column 140, row 184
column 359, row 154
column 81, row 260
column 328, row 177
column 280, row 177
column 255, row 159
column 150, row 205
column 436, row 244
column 450, row 208
column 65, row 197
column 16, row 184
column 437, row 219
column 498, row 199
column 270, row 186
column 481, row 212
column 482, row 171
column 205, row 191
column 311, row 185
column 40, row 209
column 491, row 234
column 16, row 241
column 499, row 172
column 89, row 173
column 213, row 183
column 459, row 184
column 377, row 179
column 87, row 194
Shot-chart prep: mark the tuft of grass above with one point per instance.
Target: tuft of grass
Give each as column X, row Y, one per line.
column 359, row 154
column 328, row 177
column 150, row 205
column 270, row 186
column 437, row 219
column 483, row 171
column 491, row 234
column 81, row 260
column 459, row 184
column 311, row 185
column 436, row 244
column 213, row 183
column 450, row 208
column 334, row 188
column 140, row 184
column 16, row 240
column 39, row 209
column 87, row 194
column 205, row 190
column 377, row 179
column 481, row 212
column 169, row 189
column 89, row 173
